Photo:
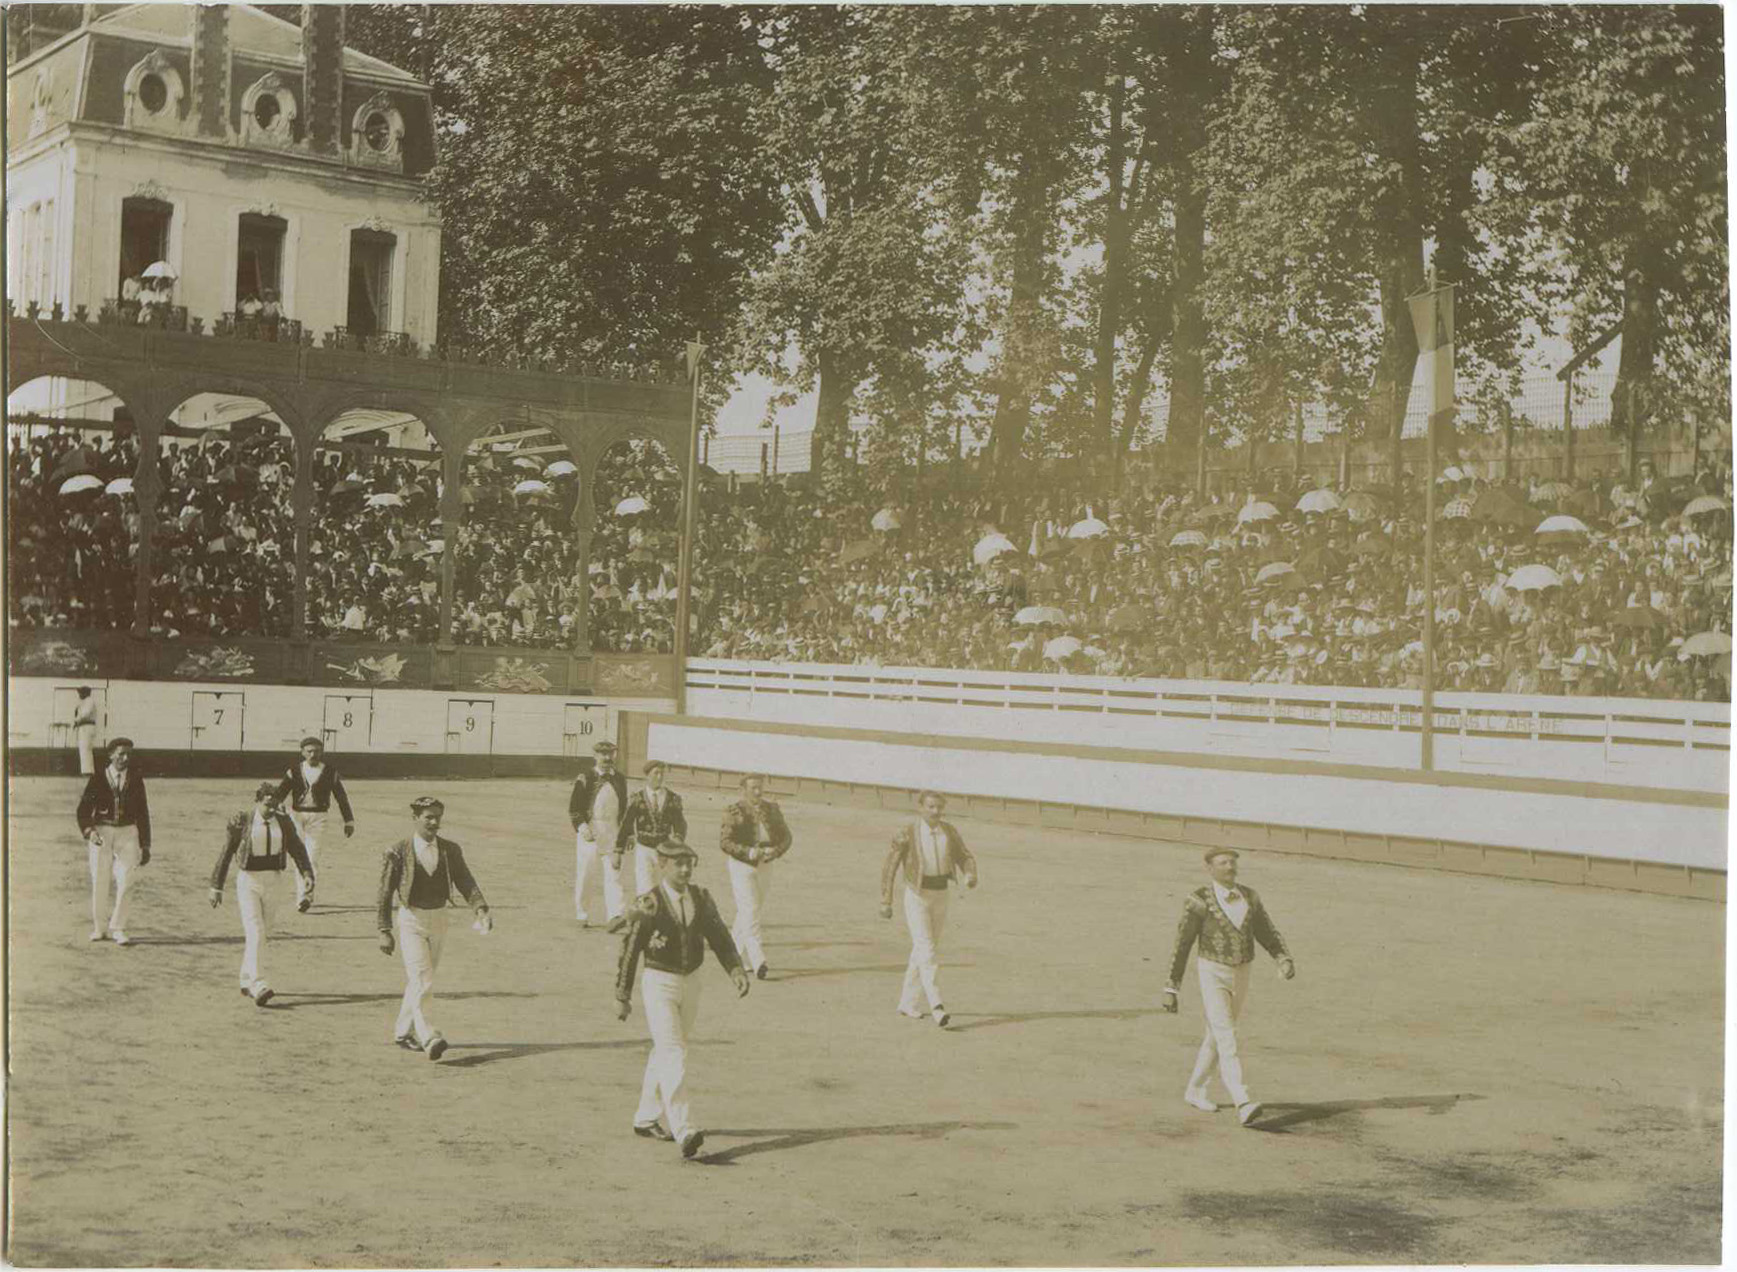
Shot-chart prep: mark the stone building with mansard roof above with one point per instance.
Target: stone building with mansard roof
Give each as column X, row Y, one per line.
column 248, row 152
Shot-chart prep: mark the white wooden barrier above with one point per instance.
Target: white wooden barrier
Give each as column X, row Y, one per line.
column 1646, row 742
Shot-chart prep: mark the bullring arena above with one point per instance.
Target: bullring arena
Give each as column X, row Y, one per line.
column 1465, row 1069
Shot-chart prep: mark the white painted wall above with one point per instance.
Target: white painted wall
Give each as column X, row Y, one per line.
column 160, row 716
column 1618, row 829
column 1662, row 744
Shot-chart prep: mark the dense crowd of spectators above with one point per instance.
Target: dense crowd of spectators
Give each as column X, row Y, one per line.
column 1153, row 581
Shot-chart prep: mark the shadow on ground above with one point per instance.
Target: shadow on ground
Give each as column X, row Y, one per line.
column 1290, row 1115
column 773, row 1141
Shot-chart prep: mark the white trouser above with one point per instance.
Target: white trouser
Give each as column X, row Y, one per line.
column 256, row 896
column 1223, row 991
column 420, row 936
column 644, row 869
column 925, row 915
column 751, row 885
column 86, row 758
column 672, row 1004
column 596, row 853
column 310, row 826
column 117, row 855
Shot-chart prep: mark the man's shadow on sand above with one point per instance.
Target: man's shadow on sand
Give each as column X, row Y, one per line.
column 296, row 1002
column 773, row 1141
column 984, row 1020
column 489, row 1052
column 1289, row 1115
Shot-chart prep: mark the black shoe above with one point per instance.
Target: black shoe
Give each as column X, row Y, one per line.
column 246, row 992
column 761, row 972
column 436, row 1047
column 653, row 1130
column 408, row 1042
column 263, row 997
column 691, row 1145
column 303, row 904
column 616, row 924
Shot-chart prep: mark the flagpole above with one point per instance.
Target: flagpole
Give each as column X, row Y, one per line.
column 1432, row 313
column 684, row 568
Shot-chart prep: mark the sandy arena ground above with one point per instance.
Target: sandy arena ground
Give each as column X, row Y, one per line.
column 1464, row 1070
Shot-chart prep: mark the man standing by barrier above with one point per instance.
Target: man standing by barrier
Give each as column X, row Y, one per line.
column 670, row 927
column 1226, row 920
column 262, row 842
column 313, row 783
column 754, row 836
column 84, row 730
column 654, row 815
column 595, row 808
column 422, row 874
column 932, row 854
column 115, row 819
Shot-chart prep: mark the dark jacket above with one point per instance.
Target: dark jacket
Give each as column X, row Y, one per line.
column 655, row 931
column 743, row 829
column 585, row 788
column 397, row 869
column 906, row 854
column 318, row 797
column 1205, row 923
column 102, row 805
column 238, row 844
column 652, row 826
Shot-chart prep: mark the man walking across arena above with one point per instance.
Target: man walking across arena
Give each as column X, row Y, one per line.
column 595, row 808
column 422, row 874
column 653, row 816
column 311, row 786
column 754, row 836
column 1226, row 920
column 261, row 841
column 932, row 855
column 114, row 817
column 670, row 927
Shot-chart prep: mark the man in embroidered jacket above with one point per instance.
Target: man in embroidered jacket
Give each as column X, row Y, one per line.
column 1226, row 921
column 932, row 855
column 422, row 874
column 261, row 841
column 115, row 819
column 670, row 927
column 311, row 786
column 653, row 815
column 754, row 835
column 595, row 807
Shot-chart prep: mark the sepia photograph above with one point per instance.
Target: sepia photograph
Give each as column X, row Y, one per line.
column 869, row 635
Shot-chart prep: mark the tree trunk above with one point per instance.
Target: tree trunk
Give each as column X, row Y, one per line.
column 1399, row 266
column 1187, row 318
column 1115, row 250
column 1031, row 218
column 831, row 420
column 1640, row 318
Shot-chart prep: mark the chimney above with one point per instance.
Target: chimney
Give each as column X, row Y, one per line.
column 323, row 75
column 210, row 65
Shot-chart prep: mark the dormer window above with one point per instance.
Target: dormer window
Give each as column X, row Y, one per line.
column 153, row 92
column 377, row 135
column 268, row 113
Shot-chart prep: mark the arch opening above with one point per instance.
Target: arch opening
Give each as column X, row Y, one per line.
column 638, row 489
column 73, row 528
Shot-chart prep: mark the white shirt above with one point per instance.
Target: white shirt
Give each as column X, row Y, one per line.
column 678, row 902
column 1238, row 909
column 606, row 807
column 117, row 778
column 932, row 848
column 427, row 854
column 311, row 773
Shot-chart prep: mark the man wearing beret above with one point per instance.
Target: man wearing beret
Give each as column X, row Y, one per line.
column 754, row 835
column 422, row 874
column 595, row 808
column 314, row 784
column 670, row 927
column 932, row 854
column 1226, row 920
column 261, row 841
column 654, row 815
column 115, row 819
